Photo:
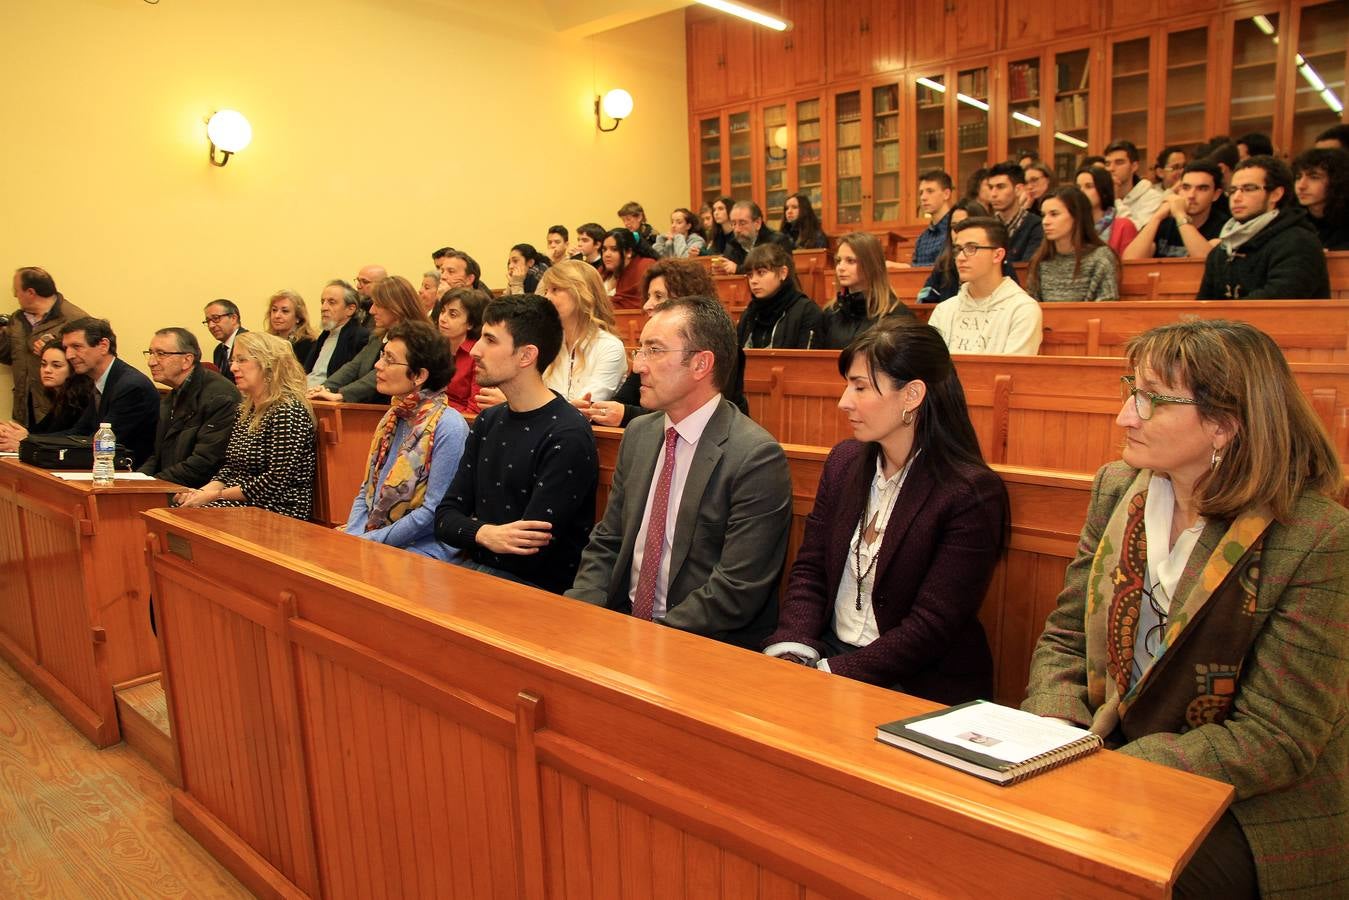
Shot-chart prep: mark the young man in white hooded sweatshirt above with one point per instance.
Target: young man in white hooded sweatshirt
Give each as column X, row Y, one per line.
column 991, row 313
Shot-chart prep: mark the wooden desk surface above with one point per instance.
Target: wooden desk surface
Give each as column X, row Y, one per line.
column 85, row 488
column 774, row 762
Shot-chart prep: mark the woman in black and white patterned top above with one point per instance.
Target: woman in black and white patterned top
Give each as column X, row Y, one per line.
column 271, row 460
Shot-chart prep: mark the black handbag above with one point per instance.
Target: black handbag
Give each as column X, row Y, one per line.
column 67, row 451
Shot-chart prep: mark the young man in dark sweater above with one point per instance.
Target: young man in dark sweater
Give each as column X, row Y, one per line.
column 523, row 501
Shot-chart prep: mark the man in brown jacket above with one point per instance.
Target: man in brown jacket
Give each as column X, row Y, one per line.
column 37, row 322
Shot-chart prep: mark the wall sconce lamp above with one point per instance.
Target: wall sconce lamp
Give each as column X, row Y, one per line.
column 617, row 105
column 780, row 142
column 229, row 132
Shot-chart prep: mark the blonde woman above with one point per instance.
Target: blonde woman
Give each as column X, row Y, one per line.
column 271, row 460
column 864, row 294
column 288, row 318
column 592, row 362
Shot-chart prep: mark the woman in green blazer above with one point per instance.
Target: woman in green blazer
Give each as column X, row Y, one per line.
column 1204, row 624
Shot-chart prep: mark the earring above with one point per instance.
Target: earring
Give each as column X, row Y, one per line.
column 1215, row 459
column 906, row 417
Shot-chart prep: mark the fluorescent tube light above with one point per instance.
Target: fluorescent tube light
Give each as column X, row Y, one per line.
column 756, row 16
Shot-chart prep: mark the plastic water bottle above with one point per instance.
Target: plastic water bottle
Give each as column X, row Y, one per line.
column 105, row 453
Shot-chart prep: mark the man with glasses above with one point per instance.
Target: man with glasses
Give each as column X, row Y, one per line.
column 1188, row 222
column 748, row 230
column 1169, row 167
column 195, row 417
column 366, row 279
column 1268, row 250
column 223, row 321
column 695, row 532
column 990, row 313
column 523, row 500
column 1134, row 196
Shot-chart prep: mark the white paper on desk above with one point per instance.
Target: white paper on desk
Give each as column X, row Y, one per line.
column 999, row 731
column 89, row 476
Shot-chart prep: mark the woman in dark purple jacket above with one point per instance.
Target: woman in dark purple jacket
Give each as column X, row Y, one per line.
column 909, row 522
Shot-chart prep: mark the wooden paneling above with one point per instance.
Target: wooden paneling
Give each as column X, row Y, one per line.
column 344, row 434
column 793, row 58
column 863, row 37
column 16, row 601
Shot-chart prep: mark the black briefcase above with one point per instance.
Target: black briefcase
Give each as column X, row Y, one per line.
column 67, row 451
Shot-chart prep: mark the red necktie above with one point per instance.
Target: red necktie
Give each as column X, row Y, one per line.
column 645, row 600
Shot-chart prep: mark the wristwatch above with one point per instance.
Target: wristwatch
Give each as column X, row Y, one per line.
column 1181, row 220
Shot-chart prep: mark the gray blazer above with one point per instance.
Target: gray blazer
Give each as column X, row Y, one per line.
column 730, row 534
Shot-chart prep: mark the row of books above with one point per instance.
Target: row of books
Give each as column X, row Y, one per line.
column 1071, row 112
column 1023, row 81
column 808, row 131
column 849, row 162
column 974, row 83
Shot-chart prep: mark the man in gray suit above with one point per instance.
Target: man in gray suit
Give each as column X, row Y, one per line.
column 696, row 528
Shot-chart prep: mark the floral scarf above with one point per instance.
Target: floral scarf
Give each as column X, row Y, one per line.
column 1193, row 679
column 405, row 487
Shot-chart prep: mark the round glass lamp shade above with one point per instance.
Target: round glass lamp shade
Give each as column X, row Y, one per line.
column 229, row 131
column 780, row 137
column 617, row 104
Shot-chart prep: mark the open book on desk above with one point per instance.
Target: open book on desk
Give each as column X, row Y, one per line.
column 994, row 742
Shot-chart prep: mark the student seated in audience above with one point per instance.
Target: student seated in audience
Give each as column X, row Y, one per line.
column 864, row 295
column 429, row 292
column 458, row 269
column 944, row 281
column 196, row 416
column 592, row 362
column 393, row 301
column 1225, row 155
column 749, row 231
column 1007, row 200
column 417, row 445
column 705, row 220
column 123, row 396
column 1169, row 167
column 991, row 313
column 1116, row 230
column 342, row 335
column 1188, row 222
column 1027, row 158
column 288, row 318
column 67, row 395
column 696, row 526
column 683, row 239
column 271, row 459
column 589, row 243
column 558, row 243
column 779, row 315
column 721, row 225
column 1336, row 137
column 625, row 260
column 633, row 218
column 1073, row 265
column 908, row 525
column 1040, row 180
column 667, row 279
column 1321, row 182
column 934, row 199
column 223, row 320
column 1204, row 624
column 1268, row 250
column 1134, row 196
column 523, row 500
column 801, row 224
column 1249, row 145
column 37, row 322
column 976, row 187
column 524, row 267
column 458, row 318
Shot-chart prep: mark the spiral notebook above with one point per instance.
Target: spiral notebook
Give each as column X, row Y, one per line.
column 994, row 742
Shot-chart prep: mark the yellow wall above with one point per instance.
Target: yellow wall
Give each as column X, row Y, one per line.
column 382, row 129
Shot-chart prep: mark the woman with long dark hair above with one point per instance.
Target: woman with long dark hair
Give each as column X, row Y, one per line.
column 908, row 525
column 1073, row 264
column 524, row 267
column 623, row 261
column 721, row 231
column 1117, row 231
column 801, row 224
column 69, row 393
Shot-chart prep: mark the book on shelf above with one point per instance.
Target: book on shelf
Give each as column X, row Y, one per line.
column 973, row 84
column 1070, row 113
column 996, row 743
column 1023, row 81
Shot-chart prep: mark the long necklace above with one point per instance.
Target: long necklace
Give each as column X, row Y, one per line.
column 858, row 574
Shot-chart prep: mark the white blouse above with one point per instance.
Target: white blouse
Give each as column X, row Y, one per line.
column 854, row 626
column 604, row 368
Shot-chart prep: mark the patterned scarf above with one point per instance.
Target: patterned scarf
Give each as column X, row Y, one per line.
column 1192, row 681
column 405, row 488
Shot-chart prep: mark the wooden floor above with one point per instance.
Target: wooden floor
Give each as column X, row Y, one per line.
column 76, row 822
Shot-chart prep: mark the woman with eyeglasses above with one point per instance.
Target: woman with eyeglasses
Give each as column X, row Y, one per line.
column 416, row 448
column 864, row 295
column 908, row 525
column 1204, row 623
column 271, row 460
column 1073, row 264
column 392, row 301
column 592, row 362
column 288, row 318
column 1098, row 187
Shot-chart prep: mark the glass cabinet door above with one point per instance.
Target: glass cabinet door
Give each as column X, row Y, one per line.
column 1255, row 51
column 709, row 158
column 1072, row 71
column 971, row 124
column 1023, row 107
column 885, row 182
column 1318, row 79
column 1186, row 87
column 742, row 156
column 809, row 153
column 775, row 145
column 1129, row 70
column 848, row 158
column 929, row 103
